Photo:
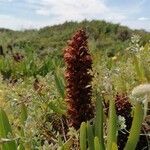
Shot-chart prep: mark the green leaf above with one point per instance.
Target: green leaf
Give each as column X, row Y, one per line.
column 24, row 114
column 135, row 128
column 99, row 122
column 146, row 73
column 96, row 143
column 114, row 146
column 139, row 69
column 20, row 147
column 23, row 117
column 67, row 145
column 83, row 136
column 90, row 136
column 5, row 129
column 59, row 85
column 112, row 125
column 52, row 105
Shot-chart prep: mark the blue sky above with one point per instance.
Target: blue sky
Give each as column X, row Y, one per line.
column 21, row 14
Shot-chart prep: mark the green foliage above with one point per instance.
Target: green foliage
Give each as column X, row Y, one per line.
column 5, row 130
column 90, row 136
column 83, row 136
column 112, row 125
column 24, row 114
column 124, row 34
column 136, row 127
column 67, row 145
column 37, row 110
column 99, row 122
column 59, row 85
column 95, row 140
column 96, row 143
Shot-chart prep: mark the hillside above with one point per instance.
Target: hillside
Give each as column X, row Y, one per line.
column 102, row 36
column 39, row 49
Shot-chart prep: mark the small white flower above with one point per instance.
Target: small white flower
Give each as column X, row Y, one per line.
column 121, row 122
column 141, row 90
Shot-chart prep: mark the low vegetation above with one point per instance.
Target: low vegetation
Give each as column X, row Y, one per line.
column 91, row 92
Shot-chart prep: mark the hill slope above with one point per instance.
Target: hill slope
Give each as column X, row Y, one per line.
column 102, row 36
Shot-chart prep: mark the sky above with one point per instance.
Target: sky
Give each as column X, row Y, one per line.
column 28, row 14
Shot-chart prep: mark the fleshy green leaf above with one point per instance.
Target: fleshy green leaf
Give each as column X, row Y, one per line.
column 83, row 136
column 5, row 129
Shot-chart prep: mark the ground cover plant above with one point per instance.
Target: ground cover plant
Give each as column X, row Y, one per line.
column 80, row 95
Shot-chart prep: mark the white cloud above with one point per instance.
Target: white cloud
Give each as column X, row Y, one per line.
column 42, row 12
column 76, row 10
column 6, row 0
column 143, row 18
column 11, row 22
column 136, row 24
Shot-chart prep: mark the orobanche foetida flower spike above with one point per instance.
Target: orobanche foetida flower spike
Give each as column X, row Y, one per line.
column 78, row 79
